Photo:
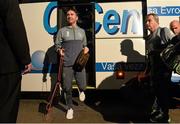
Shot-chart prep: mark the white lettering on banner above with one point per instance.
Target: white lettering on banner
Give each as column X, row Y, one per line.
column 108, row 66
column 112, row 66
column 165, row 11
column 152, row 10
column 177, row 11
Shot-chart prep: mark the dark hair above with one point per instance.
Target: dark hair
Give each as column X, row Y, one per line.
column 155, row 16
column 72, row 9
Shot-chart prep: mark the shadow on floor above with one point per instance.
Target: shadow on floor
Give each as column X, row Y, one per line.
column 130, row 104
column 125, row 105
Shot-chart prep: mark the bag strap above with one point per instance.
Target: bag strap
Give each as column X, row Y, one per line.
column 162, row 35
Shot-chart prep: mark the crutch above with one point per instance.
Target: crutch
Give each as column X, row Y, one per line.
column 57, row 85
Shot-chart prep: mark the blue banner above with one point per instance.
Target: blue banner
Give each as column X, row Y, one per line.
column 165, row 10
column 110, row 66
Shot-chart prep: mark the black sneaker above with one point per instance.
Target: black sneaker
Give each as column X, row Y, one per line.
column 160, row 118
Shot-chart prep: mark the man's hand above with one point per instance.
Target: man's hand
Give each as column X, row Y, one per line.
column 86, row 50
column 27, row 69
column 44, row 79
column 61, row 52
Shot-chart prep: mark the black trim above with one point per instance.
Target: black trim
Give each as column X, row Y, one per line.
column 34, row 1
column 76, row 1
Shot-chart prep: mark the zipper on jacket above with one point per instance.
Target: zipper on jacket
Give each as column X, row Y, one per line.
column 74, row 33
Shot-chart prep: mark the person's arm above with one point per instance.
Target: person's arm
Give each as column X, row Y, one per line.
column 85, row 48
column 168, row 36
column 16, row 34
column 58, row 40
column 58, row 43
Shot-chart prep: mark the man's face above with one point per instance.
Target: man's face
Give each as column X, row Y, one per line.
column 151, row 24
column 72, row 17
column 175, row 28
